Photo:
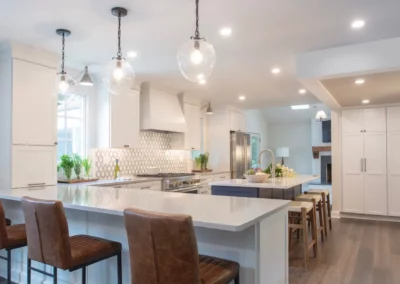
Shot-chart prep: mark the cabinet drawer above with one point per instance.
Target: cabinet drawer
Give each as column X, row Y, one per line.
column 222, row 176
column 152, row 185
column 34, row 166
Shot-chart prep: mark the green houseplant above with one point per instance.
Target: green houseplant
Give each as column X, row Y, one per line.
column 87, row 165
column 77, row 165
column 201, row 161
column 67, row 164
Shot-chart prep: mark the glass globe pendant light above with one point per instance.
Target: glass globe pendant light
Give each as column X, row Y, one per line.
column 119, row 74
column 65, row 83
column 196, row 57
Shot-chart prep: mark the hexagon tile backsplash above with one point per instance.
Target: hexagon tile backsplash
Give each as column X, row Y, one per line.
column 154, row 151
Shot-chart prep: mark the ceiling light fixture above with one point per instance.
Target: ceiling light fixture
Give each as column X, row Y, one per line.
column 66, row 83
column 86, row 79
column 365, row 101
column 358, row 24
column 196, row 56
column 242, row 98
column 209, row 110
column 276, row 71
column 321, row 115
column 300, row 107
column 359, row 81
column 131, row 54
column 120, row 74
column 302, row 91
column 226, row 32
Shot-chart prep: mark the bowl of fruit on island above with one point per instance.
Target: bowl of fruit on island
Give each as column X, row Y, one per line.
column 256, row 176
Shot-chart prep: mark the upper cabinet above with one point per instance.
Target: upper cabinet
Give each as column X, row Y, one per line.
column 393, row 119
column 191, row 138
column 364, row 120
column 34, row 104
column 124, row 120
column 237, row 121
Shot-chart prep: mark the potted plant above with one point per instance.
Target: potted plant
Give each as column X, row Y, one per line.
column 77, row 165
column 67, row 164
column 87, row 165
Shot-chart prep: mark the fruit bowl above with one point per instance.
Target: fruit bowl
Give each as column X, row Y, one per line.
column 257, row 178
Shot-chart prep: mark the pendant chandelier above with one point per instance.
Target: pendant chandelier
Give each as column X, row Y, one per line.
column 196, row 57
column 119, row 75
column 66, row 83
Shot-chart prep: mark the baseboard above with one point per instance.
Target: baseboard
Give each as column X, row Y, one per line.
column 369, row 217
column 335, row 214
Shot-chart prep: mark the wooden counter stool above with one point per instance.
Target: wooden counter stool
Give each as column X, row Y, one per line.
column 326, row 200
column 49, row 241
column 11, row 237
column 317, row 199
column 299, row 213
column 163, row 249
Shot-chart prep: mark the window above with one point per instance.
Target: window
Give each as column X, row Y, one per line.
column 255, row 149
column 71, row 125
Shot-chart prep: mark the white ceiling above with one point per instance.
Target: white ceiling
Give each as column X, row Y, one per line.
column 283, row 115
column 266, row 33
column 382, row 88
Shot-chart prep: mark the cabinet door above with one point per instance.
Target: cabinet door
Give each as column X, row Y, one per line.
column 353, row 176
column 192, row 135
column 375, row 173
column 124, row 121
column 393, row 156
column 34, row 104
column 393, row 119
column 34, row 166
column 352, row 121
column 374, row 119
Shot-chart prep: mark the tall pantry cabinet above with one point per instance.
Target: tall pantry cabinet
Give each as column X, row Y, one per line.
column 393, row 159
column 364, row 156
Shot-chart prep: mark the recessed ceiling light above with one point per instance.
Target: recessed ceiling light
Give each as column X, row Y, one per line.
column 302, row 91
column 202, row 82
column 276, row 71
column 131, row 54
column 300, row 107
column 242, row 98
column 359, row 81
column 226, row 32
column 358, row 24
column 365, row 101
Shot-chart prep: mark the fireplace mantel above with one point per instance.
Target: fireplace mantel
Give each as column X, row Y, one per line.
column 317, row 150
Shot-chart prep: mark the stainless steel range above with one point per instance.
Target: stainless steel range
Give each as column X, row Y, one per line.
column 178, row 182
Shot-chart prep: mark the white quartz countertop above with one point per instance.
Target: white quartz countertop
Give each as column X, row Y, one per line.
column 111, row 182
column 215, row 212
column 282, row 183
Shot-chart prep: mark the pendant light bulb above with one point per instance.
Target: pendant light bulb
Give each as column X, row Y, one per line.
column 66, row 83
column 119, row 76
column 63, row 85
column 196, row 57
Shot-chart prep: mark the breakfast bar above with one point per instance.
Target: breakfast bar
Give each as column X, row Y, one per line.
column 272, row 188
column 252, row 232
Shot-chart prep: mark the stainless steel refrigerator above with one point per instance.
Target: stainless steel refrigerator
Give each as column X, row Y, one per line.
column 240, row 154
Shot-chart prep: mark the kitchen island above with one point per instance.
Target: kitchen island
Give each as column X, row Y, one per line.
column 252, row 232
column 278, row 188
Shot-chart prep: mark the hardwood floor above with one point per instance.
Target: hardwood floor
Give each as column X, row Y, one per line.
column 356, row 252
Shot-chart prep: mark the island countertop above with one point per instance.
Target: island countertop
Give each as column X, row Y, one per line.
column 215, row 212
column 282, row 183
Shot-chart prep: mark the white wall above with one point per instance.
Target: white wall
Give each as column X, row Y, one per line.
column 316, row 140
column 297, row 137
column 256, row 123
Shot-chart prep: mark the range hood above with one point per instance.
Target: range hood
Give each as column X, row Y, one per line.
column 160, row 111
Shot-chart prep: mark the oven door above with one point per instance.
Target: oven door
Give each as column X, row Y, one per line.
column 191, row 190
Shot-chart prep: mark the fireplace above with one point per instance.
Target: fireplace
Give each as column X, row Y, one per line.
column 326, row 169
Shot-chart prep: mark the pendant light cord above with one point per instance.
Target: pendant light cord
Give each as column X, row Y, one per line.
column 197, row 33
column 119, row 53
column 63, row 52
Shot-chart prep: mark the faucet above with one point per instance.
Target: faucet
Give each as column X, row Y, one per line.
column 273, row 160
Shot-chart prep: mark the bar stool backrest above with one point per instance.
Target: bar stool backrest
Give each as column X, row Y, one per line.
column 47, row 232
column 163, row 248
column 3, row 230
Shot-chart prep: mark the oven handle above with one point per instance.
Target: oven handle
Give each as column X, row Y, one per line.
column 183, row 190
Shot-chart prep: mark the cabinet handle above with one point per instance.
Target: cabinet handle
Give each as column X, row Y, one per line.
column 145, row 187
column 362, row 164
column 120, row 186
column 126, row 146
column 55, row 143
column 36, row 184
column 365, row 164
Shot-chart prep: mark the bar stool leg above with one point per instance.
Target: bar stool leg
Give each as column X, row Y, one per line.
column 8, row 266
column 237, row 279
column 55, row 275
column 328, row 201
column 314, row 233
column 84, row 275
column 324, row 212
column 321, row 220
column 29, row 271
column 119, row 264
column 305, row 235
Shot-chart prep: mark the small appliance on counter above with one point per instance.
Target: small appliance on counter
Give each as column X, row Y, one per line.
column 178, row 182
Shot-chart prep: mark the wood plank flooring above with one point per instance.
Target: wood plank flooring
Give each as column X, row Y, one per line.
column 356, row 252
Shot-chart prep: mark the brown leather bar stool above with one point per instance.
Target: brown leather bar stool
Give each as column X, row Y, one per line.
column 11, row 237
column 163, row 249
column 49, row 241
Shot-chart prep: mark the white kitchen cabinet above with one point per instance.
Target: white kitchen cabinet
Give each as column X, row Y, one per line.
column 393, row 142
column 237, row 121
column 124, row 120
column 352, row 121
column 34, row 166
column 34, row 104
column 150, row 185
column 393, row 118
column 191, row 138
column 374, row 119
